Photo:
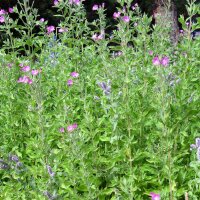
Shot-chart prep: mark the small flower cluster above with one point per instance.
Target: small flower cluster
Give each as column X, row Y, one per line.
column 172, row 79
column 50, row 29
column 27, row 79
column 70, row 128
column 97, row 37
column 75, row 2
column 196, row 146
column 3, row 12
column 15, row 159
column 116, row 54
column 70, row 81
column 97, row 7
column 123, row 18
column 134, row 6
column 164, row 61
column 3, row 164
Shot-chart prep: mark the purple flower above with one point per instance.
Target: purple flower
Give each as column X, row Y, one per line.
column 165, row 61
column 77, row 2
column 97, row 37
column 2, row 12
column 126, row 19
column 10, row 10
column 197, row 142
column 105, row 87
column 74, row 74
column 55, row 2
column 133, row 7
column 50, row 29
column 62, row 30
column 116, row 15
column 151, row 52
column 3, row 165
column 95, row 7
column 2, row 19
column 70, row 82
column 25, row 79
column 154, row 196
column 49, row 196
column 62, row 130
column 196, row 145
column 25, row 68
column 72, row 127
column 34, row 72
column 50, row 172
column 42, row 20
column 14, row 158
column 156, row 61
column 10, row 65
column 198, row 154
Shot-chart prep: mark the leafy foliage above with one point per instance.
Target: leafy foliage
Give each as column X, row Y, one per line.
column 86, row 119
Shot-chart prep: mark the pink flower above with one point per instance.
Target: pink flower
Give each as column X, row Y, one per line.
column 77, row 2
column 135, row 24
column 30, row 81
column 25, row 68
column 25, row 79
column 61, row 30
column 151, row 52
column 50, row 29
column 165, row 61
column 156, row 61
column 74, row 74
column 10, row 10
column 42, row 20
column 95, row 37
column 70, row 82
column 62, row 130
column 154, row 196
column 116, row 15
column 2, row 19
column 34, row 72
column 100, row 37
column 10, row 65
column 95, row 7
column 55, row 2
column 133, row 7
column 2, row 12
column 126, row 19
column 72, row 127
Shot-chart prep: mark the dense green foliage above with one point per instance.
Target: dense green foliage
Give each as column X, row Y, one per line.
column 119, row 128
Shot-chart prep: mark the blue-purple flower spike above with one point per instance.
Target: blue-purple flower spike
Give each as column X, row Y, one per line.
column 198, row 154
column 105, row 87
column 50, row 172
column 197, row 142
column 14, row 158
column 3, row 165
